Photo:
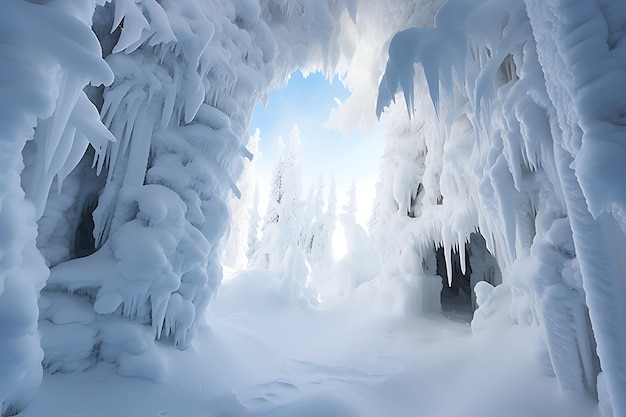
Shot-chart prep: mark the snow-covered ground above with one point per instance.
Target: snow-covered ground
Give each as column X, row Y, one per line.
column 265, row 354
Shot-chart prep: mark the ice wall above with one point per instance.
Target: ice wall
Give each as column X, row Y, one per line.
column 132, row 227
column 186, row 77
column 520, row 140
column 44, row 67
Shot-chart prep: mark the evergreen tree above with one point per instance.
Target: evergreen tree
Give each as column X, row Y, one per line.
column 306, row 222
column 253, row 226
column 279, row 228
column 349, row 210
column 316, row 225
column 374, row 220
column 331, row 223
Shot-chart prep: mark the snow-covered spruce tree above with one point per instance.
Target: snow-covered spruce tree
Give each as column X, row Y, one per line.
column 279, row 228
column 360, row 263
column 329, row 223
column 278, row 249
column 253, row 227
column 135, row 251
column 316, row 225
column 521, row 136
column 306, row 219
column 348, row 214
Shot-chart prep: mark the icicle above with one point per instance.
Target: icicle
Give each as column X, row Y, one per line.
column 234, row 188
column 447, row 251
column 159, row 23
column 71, row 88
column 461, row 246
column 170, row 100
column 139, row 150
column 134, row 103
column 79, row 146
column 113, row 152
column 86, row 118
column 135, row 25
column 246, row 153
column 112, row 100
column 62, row 151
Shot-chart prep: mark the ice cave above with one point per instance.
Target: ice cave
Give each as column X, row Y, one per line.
column 488, row 281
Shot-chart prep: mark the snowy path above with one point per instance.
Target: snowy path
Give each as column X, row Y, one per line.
column 265, row 355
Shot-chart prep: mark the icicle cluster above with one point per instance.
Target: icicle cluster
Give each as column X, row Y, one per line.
column 519, row 140
column 186, row 78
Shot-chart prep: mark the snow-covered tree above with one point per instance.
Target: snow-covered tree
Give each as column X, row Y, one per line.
column 322, row 255
column 348, row 215
column 360, row 263
column 374, row 220
column 279, row 228
column 253, row 227
column 306, row 220
column 330, row 224
column 316, row 224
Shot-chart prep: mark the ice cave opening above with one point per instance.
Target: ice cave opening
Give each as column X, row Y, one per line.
column 458, row 299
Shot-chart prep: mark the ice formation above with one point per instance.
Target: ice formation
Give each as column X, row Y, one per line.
column 130, row 228
column 519, row 140
column 43, row 73
column 124, row 132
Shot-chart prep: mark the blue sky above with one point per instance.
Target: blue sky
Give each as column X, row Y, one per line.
column 307, row 102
